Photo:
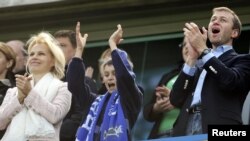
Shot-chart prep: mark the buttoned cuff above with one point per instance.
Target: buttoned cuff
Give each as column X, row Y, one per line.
column 189, row 70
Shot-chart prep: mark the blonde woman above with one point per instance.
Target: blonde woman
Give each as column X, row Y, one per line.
column 35, row 108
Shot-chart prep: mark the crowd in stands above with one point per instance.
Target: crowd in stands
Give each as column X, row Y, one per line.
column 48, row 93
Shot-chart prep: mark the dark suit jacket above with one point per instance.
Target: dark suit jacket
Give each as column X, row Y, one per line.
column 73, row 118
column 224, row 90
column 147, row 111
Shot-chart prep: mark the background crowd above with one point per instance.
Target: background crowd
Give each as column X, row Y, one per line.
column 178, row 98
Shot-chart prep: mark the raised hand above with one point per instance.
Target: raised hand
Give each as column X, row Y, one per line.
column 89, row 72
column 80, row 41
column 192, row 54
column 116, row 38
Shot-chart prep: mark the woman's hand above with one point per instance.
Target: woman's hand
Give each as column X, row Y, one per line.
column 162, row 103
column 23, row 85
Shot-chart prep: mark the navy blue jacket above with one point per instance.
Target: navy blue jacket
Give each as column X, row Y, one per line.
column 131, row 96
column 224, row 90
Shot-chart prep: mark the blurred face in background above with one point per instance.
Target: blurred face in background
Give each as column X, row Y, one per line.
column 5, row 64
column 21, row 55
column 184, row 51
column 67, row 48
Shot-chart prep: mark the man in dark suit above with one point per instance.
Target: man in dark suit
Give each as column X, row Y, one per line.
column 213, row 83
column 67, row 41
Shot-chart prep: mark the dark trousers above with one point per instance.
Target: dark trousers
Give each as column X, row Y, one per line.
column 194, row 125
column 68, row 130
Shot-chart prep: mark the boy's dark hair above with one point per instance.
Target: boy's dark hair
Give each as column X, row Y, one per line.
column 67, row 34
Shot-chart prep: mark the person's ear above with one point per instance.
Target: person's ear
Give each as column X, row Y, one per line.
column 235, row 33
column 9, row 64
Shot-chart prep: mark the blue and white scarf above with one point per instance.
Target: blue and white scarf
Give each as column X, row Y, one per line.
column 113, row 127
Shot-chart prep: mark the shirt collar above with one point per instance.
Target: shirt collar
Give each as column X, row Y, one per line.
column 221, row 49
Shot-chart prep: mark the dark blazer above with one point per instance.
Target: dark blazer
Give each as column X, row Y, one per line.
column 147, row 111
column 73, row 118
column 224, row 90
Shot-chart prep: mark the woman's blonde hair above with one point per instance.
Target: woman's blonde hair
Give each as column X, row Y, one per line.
column 53, row 45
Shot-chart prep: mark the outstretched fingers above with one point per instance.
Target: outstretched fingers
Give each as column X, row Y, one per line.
column 116, row 37
column 80, row 41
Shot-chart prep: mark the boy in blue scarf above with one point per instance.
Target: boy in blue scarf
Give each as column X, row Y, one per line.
column 108, row 117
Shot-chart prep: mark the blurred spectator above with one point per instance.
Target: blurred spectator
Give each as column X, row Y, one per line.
column 67, row 41
column 160, row 110
column 21, row 56
column 7, row 79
